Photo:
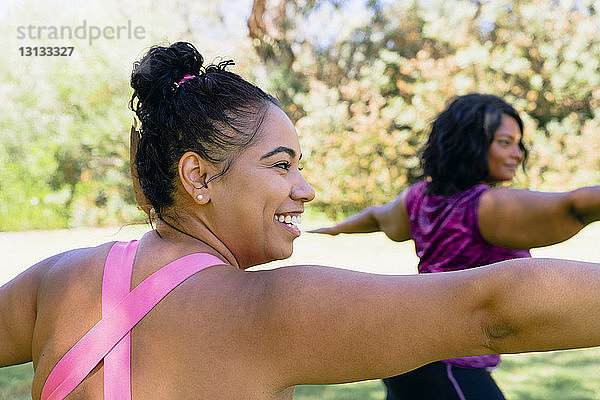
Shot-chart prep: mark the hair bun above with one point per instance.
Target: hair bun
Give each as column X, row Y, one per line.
column 154, row 76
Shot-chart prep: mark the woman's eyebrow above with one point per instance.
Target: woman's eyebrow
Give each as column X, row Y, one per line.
column 280, row 149
column 508, row 135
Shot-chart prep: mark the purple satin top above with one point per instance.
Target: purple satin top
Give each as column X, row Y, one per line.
column 447, row 238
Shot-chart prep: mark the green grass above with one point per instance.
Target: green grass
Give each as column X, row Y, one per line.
column 573, row 375
column 15, row 382
column 368, row 390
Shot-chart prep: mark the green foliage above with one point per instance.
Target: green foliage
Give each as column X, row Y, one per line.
column 64, row 142
column 68, row 150
column 372, row 92
column 362, row 84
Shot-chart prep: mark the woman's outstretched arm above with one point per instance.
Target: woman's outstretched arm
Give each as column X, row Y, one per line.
column 326, row 325
column 523, row 219
column 552, row 306
column 18, row 305
column 390, row 218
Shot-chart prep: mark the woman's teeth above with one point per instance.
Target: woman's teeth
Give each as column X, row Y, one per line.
column 288, row 219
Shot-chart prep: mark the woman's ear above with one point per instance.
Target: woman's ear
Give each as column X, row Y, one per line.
column 193, row 171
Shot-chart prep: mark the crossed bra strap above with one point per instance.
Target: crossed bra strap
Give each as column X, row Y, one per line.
column 116, row 285
column 111, row 333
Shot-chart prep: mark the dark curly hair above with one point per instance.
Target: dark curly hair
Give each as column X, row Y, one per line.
column 216, row 115
column 455, row 156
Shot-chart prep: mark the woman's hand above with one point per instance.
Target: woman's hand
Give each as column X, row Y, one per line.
column 327, row 231
column 390, row 218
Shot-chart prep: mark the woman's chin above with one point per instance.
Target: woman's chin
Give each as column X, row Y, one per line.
column 272, row 255
column 282, row 253
column 499, row 180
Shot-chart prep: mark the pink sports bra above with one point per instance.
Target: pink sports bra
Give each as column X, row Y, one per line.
column 122, row 309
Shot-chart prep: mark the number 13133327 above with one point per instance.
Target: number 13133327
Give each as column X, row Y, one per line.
column 46, row 51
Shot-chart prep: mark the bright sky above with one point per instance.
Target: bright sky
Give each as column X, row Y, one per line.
column 322, row 27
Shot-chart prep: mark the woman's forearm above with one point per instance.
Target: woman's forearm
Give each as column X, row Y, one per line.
column 363, row 222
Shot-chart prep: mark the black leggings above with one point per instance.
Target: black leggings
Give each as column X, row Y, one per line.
column 440, row 381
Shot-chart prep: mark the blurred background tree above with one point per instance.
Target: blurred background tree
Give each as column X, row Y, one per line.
column 64, row 142
column 367, row 93
column 361, row 79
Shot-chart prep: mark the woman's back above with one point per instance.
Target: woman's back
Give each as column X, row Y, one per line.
column 199, row 337
column 446, row 233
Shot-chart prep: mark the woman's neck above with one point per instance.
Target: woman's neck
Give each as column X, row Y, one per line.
column 170, row 230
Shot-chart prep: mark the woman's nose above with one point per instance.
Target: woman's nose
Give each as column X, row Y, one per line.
column 517, row 152
column 303, row 190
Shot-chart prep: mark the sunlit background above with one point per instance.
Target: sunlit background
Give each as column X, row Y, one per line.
column 361, row 79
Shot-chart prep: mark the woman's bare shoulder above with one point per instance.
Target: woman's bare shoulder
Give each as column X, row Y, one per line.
column 69, row 265
column 22, row 298
column 70, row 277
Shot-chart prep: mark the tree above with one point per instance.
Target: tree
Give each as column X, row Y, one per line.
column 372, row 92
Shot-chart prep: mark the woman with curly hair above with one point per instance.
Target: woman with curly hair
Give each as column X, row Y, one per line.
column 458, row 219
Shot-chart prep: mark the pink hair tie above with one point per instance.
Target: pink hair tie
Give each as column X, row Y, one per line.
column 186, row 78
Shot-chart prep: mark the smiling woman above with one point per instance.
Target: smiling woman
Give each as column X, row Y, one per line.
column 177, row 315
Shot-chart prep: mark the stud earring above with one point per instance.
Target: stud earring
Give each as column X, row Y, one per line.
column 200, row 197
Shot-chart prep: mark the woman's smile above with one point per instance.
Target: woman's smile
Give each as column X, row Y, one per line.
column 289, row 222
